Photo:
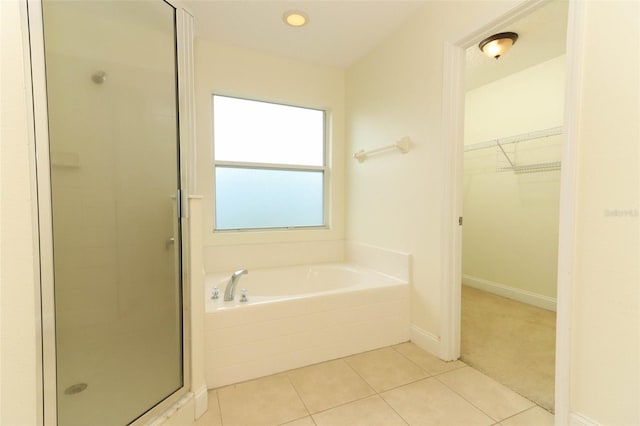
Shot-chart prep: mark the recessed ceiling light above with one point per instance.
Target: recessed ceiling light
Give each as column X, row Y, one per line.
column 295, row 18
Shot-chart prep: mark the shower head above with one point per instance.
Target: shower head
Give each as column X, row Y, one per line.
column 99, row 77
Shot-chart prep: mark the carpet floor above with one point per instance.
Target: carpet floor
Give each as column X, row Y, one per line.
column 512, row 342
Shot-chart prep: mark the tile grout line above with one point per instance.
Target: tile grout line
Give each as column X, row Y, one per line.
column 377, row 393
column 393, row 409
column 508, row 387
column 496, row 421
column 219, row 406
column 480, row 409
column 424, row 369
column 411, row 361
column 535, row 404
column 287, row 373
column 523, row 411
column 429, row 376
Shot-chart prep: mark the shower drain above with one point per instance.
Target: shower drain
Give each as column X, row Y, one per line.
column 77, row 388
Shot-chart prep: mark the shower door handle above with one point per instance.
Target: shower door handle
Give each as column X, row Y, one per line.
column 170, row 241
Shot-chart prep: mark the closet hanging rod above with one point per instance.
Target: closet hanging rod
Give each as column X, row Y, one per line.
column 403, row 145
column 516, row 138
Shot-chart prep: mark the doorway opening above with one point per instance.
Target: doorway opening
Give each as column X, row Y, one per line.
column 453, row 123
column 513, row 135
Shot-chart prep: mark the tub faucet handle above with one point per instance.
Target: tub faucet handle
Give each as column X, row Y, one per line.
column 243, row 295
column 215, row 293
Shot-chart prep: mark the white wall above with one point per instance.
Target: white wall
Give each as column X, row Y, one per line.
column 510, row 235
column 394, row 201
column 526, row 101
column 19, row 328
column 234, row 71
column 606, row 289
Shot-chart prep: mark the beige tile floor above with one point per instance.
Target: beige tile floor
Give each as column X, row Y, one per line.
column 398, row 385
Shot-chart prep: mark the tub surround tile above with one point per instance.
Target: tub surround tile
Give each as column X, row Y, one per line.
column 429, row 402
column 491, row 397
column 371, row 411
column 256, row 340
column 389, row 262
column 229, row 257
column 274, row 353
column 535, row 416
column 328, row 385
column 267, row 401
column 280, row 323
column 428, row 362
column 385, row 369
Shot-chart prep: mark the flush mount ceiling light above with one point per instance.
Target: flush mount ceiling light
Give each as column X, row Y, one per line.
column 295, row 18
column 496, row 45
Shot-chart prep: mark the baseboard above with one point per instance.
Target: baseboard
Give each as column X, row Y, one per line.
column 577, row 419
column 202, row 401
column 530, row 298
column 425, row 340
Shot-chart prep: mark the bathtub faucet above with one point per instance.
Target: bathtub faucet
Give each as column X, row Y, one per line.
column 230, row 291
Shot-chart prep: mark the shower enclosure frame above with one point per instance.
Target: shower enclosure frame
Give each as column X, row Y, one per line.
column 183, row 24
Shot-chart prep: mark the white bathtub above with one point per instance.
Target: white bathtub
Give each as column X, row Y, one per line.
column 299, row 316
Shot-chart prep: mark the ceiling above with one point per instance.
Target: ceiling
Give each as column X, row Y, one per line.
column 340, row 32
column 542, row 36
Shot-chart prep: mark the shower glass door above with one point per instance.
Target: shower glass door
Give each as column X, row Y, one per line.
column 112, row 108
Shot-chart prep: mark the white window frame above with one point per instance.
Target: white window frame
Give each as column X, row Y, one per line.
column 324, row 169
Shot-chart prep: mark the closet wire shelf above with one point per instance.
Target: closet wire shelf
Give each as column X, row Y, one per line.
column 521, row 168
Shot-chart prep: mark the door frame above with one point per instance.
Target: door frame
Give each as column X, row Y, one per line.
column 31, row 14
column 453, row 133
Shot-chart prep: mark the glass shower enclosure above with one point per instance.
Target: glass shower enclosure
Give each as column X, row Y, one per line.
column 111, row 85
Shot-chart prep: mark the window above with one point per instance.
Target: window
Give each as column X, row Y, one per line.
column 269, row 165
